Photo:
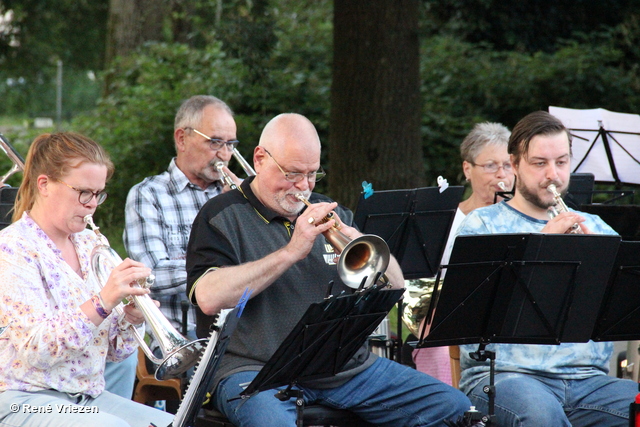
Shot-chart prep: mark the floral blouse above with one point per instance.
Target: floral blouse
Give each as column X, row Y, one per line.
column 49, row 342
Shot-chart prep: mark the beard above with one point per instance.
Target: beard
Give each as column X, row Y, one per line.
column 210, row 173
column 288, row 207
column 532, row 196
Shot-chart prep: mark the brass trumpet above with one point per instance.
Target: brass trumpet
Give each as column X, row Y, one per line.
column 560, row 207
column 178, row 354
column 362, row 257
column 226, row 179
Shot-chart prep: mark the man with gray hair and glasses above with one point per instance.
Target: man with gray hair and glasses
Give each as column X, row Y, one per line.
column 160, row 210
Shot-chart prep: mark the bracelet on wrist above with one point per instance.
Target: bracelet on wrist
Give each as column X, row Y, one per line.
column 97, row 304
column 105, row 305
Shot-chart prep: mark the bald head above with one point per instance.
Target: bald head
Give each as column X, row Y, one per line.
column 290, row 131
column 289, row 147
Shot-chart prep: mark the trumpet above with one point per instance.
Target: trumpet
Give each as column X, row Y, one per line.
column 560, row 207
column 18, row 161
column 178, row 354
column 360, row 258
column 226, row 179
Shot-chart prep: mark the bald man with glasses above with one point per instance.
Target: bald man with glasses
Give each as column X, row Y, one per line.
column 261, row 236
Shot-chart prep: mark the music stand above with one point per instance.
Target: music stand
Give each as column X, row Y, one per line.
column 619, row 316
column 519, row 288
column 605, row 143
column 323, row 341
column 415, row 224
column 624, row 219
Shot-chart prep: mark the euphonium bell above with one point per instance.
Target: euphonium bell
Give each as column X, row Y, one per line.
column 416, row 302
column 178, row 353
column 362, row 257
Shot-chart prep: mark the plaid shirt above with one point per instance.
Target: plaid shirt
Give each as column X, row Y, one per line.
column 158, row 217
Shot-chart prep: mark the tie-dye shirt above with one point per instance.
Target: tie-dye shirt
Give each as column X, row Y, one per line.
column 50, row 343
column 567, row 360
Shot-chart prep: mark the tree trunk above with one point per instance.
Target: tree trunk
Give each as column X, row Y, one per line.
column 375, row 98
column 133, row 22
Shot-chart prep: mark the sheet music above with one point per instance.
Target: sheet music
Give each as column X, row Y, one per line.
column 621, row 127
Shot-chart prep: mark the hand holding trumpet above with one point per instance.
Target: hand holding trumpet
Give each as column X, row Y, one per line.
column 309, row 225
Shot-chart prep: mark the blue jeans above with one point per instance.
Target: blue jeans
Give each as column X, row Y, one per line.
column 120, row 377
column 385, row 394
column 529, row 400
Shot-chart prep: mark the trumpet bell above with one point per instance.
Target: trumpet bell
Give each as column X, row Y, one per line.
column 181, row 359
column 363, row 257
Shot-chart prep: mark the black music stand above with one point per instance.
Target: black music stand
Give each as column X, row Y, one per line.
column 415, row 224
column 519, row 288
column 323, row 341
column 619, row 317
column 624, row 219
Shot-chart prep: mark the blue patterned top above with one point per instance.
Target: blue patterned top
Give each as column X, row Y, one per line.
column 567, row 360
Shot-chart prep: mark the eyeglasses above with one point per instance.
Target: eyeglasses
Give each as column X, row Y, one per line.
column 494, row 167
column 298, row 176
column 217, row 143
column 85, row 196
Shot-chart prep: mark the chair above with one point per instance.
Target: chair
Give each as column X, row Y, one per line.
column 454, row 355
column 314, row 415
column 149, row 389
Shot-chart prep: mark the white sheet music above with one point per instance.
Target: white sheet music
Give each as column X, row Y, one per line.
column 585, row 124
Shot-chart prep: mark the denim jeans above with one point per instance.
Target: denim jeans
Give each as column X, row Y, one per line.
column 385, row 394
column 120, row 377
column 528, row 400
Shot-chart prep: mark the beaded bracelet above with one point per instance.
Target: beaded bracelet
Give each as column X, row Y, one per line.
column 99, row 308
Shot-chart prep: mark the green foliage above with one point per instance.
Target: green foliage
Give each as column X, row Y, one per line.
column 264, row 58
column 523, row 26
column 35, row 95
column 42, row 32
column 465, row 83
column 135, row 120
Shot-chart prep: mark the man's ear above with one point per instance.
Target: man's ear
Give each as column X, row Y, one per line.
column 259, row 157
column 514, row 164
column 179, row 136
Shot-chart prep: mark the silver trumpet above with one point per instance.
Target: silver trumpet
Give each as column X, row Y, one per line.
column 178, row 353
column 559, row 208
column 18, row 161
column 226, row 179
column 362, row 257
